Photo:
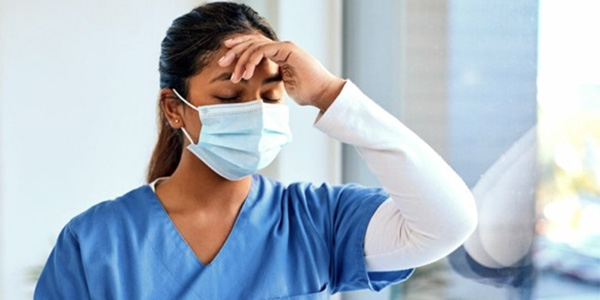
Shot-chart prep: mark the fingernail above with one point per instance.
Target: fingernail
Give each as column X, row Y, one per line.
column 244, row 75
column 222, row 58
column 228, row 41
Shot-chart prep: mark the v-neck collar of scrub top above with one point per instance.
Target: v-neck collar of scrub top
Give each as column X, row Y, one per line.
column 178, row 257
column 287, row 242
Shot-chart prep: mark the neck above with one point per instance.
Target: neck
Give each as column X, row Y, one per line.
column 195, row 186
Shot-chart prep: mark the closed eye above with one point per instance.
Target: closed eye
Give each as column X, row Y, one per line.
column 270, row 100
column 275, row 78
column 228, row 99
column 238, row 99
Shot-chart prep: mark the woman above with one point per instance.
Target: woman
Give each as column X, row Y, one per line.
column 207, row 227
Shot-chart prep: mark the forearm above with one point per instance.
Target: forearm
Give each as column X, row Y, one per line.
column 434, row 211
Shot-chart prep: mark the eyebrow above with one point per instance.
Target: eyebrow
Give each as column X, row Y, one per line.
column 226, row 76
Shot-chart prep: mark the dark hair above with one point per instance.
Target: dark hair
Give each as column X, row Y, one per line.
column 189, row 44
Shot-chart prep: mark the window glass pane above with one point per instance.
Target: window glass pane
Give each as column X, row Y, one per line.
column 508, row 92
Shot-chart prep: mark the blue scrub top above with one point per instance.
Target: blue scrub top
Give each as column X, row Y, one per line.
column 296, row 242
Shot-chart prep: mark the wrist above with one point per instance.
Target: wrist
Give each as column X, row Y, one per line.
column 330, row 93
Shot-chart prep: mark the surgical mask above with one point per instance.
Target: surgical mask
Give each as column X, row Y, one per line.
column 239, row 139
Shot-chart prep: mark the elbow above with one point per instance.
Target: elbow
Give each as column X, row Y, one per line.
column 472, row 216
column 465, row 224
column 458, row 221
column 469, row 227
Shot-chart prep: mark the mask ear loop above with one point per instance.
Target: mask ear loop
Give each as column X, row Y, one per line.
column 183, row 99
column 187, row 135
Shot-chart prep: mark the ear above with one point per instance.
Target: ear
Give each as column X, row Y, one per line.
column 171, row 107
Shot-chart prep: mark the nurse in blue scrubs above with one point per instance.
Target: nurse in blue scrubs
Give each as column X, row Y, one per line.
column 207, row 227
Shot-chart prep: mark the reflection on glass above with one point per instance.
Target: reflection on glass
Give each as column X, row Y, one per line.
column 498, row 252
column 523, row 99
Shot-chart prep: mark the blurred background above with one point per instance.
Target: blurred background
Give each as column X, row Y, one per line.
column 508, row 92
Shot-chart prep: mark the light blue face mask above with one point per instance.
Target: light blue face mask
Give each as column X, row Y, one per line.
column 238, row 139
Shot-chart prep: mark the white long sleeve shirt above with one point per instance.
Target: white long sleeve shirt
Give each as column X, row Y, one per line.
column 430, row 212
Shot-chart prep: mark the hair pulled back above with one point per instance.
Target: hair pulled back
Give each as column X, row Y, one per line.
column 188, row 46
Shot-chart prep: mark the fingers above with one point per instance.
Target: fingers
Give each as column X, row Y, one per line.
column 242, row 38
column 250, row 51
column 237, row 46
column 252, row 61
column 233, row 53
column 244, row 68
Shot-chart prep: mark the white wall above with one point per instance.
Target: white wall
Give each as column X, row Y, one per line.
column 79, row 84
column 316, row 26
column 78, row 91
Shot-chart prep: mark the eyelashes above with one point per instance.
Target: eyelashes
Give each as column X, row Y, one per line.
column 270, row 100
column 227, row 99
column 238, row 99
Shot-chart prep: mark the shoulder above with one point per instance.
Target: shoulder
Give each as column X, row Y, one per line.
column 335, row 193
column 296, row 190
column 309, row 193
column 111, row 213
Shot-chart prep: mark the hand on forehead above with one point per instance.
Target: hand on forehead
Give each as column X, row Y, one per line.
column 214, row 81
column 265, row 67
